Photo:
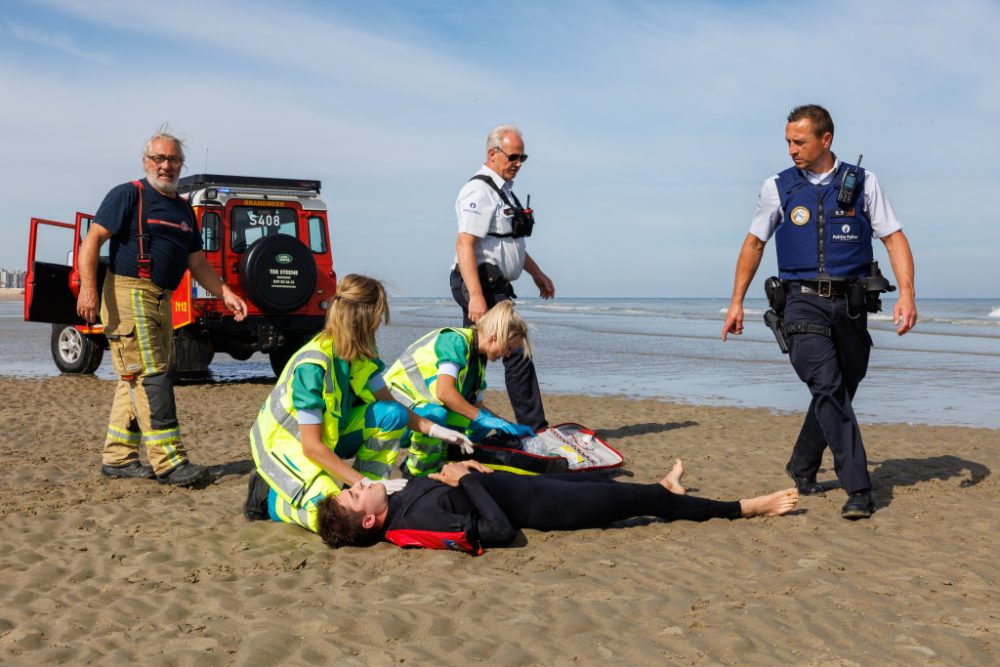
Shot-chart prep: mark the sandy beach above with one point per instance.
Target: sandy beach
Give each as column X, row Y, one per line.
column 116, row 572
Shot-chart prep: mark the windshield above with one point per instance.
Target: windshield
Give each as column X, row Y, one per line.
column 254, row 222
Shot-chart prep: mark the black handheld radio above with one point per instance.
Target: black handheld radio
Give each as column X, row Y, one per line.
column 524, row 219
column 847, row 184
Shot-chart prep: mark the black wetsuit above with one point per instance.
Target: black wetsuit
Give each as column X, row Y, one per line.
column 490, row 508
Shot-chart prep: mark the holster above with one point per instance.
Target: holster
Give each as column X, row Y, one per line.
column 776, row 325
column 490, row 279
column 775, row 292
column 857, row 291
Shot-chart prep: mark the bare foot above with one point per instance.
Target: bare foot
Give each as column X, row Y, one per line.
column 773, row 504
column 672, row 482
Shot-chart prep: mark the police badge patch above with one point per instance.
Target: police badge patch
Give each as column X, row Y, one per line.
column 799, row 215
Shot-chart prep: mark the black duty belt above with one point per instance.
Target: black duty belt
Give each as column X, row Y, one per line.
column 807, row 327
column 825, row 288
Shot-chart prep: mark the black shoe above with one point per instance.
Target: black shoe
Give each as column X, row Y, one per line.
column 255, row 506
column 186, row 474
column 131, row 470
column 859, row 505
column 807, row 486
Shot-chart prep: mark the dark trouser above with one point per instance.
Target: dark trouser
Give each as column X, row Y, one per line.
column 832, row 367
column 519, row 372
column 580, row 500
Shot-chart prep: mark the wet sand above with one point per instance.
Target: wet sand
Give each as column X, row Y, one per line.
column 11, row 294
column 116, row 572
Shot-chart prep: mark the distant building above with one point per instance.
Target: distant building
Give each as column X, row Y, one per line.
column 12, row 278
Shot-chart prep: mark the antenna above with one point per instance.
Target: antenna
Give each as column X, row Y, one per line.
column 206, row 162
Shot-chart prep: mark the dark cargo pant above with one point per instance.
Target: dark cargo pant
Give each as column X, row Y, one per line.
column 832, row 367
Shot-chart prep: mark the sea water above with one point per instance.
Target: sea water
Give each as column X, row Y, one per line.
column 945, row 371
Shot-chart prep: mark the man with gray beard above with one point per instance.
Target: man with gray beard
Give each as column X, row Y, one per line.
column 154, row 239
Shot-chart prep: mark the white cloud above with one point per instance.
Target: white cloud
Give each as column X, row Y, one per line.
column 57, row 41
column 298, row 39
column 650, row 126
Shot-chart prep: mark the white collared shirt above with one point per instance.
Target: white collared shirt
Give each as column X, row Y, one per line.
column 876, row 205
column 481, row 211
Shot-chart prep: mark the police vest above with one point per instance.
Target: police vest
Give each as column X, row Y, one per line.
column 413, row 377
column 275, row 439
column 816, row 237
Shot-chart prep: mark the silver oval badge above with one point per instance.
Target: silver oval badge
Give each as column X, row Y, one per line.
column 283, row 258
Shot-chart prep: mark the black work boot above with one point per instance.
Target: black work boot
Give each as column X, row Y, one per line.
column 185, row 474
column 859, row 505
column 255, row 506
column 807, row 485
column 131, row 470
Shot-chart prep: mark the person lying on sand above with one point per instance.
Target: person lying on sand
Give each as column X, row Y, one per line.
column 467, row 506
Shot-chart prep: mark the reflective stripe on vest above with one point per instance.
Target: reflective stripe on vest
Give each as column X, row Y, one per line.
column 278, row 452
column 408, row 377
column 275, row 438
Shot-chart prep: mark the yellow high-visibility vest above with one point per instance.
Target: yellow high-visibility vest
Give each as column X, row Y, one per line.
column 275, row 439
column 413, row 377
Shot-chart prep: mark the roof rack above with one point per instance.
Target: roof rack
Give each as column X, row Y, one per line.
column 197, row 181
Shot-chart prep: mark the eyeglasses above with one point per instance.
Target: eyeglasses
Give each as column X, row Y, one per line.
column 172, row 160
column 513, row 157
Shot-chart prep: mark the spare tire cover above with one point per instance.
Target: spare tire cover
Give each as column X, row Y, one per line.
column 278, row 273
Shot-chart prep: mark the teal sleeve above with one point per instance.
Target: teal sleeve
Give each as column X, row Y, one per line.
column 451, row 347
column 307, row 388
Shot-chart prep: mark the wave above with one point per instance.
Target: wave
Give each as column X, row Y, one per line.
column 995, row 313
column 590, row 308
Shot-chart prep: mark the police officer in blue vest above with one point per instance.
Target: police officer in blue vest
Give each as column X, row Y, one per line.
column 823, row 214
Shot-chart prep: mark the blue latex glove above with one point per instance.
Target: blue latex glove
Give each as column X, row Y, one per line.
column 488, row 421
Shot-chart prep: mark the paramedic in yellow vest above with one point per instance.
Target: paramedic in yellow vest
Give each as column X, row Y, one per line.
column 331, row 404
column 442, row 377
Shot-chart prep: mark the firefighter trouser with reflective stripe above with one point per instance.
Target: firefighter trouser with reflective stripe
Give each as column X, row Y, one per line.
column 371, row 435
column 428, row 454
column 137, row 322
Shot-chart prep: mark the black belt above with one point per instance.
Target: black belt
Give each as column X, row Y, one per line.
column 825, row 288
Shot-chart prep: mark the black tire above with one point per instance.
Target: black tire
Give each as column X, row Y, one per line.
column 191, row 355
column 278, row 273
column 240, row 353
column 279, row 358
column 73, row 351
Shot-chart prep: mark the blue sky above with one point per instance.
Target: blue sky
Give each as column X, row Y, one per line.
column 650, row 125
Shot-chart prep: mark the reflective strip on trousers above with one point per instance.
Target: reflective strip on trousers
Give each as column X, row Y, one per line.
column 166, row 440
column 426, row 455
column 289, row 514
column 127, row 437
column 142, row 330
column 376, row 462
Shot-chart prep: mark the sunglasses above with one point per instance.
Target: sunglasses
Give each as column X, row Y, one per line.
column 172, row 160
column 513, row 157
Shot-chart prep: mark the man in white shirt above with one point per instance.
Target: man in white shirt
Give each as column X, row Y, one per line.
column 490, row 254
